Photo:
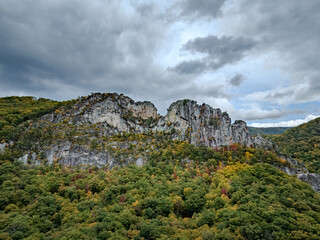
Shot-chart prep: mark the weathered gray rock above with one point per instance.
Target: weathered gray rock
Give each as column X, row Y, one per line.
column 77, row 156
column 185, row 119
column 119, row 113
column 2, row 146
column 302, row 173
column 143, row 110
column 294, row 168
column 311, row 178
column 204, row 125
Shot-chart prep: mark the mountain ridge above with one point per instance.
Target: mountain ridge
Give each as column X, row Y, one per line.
column 99, row 129
column 101, row 115
column 122, row 114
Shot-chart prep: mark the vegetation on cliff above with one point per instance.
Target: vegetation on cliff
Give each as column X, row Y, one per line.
column 302, row 143
column 16, row 110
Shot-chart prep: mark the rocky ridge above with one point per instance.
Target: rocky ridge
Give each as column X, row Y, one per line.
column 185, row 120
column 101, row 115
column 204, row 125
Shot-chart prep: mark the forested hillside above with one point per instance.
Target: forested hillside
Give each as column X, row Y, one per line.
column 302, row 143
column 167, row 198
column 153, row 187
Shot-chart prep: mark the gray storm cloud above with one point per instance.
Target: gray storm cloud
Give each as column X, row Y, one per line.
column 201, row 8
column 289, row 30
column 88, row 44
column 237, row 80
column 219, row 52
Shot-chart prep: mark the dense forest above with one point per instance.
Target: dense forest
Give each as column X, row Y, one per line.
column 302, row 143
column 166, row 198
column 181, row 191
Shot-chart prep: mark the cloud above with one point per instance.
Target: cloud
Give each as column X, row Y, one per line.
column 189, row 67
column 250, row 112
column 201, row 8
column 219, row 52
column 237, row 80
column 290, row 123
column 290, row 31
column 256, row 113
column 91, row 45
column 61, row 49
column 279, row 95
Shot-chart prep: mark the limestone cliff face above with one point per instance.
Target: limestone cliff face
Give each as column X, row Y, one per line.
column 2, row 147
column 117, row 113
column 302, row 173
column 204, row 125
column 102, row 115
column 74, row 155
column 311, row 178
column 143, row 110
column 185, row 119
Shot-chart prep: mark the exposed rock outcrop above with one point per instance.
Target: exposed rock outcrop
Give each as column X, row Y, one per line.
column 311, row 178
column 185, row 119
column 302, row 173
column 143, row 110
column 2, row 147
column 78, row 156
column 109, row 114
column 204, row 125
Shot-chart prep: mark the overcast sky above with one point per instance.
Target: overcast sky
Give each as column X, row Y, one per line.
column 258, row 60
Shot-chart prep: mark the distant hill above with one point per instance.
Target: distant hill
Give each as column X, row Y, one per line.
column 268, row 130
column 302, row 143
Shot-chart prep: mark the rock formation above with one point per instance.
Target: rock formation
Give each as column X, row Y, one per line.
column 2, row 147
column 302, row 173
column 204, row 125
column 100, row 115
column 185, row 119
column 311, row 178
